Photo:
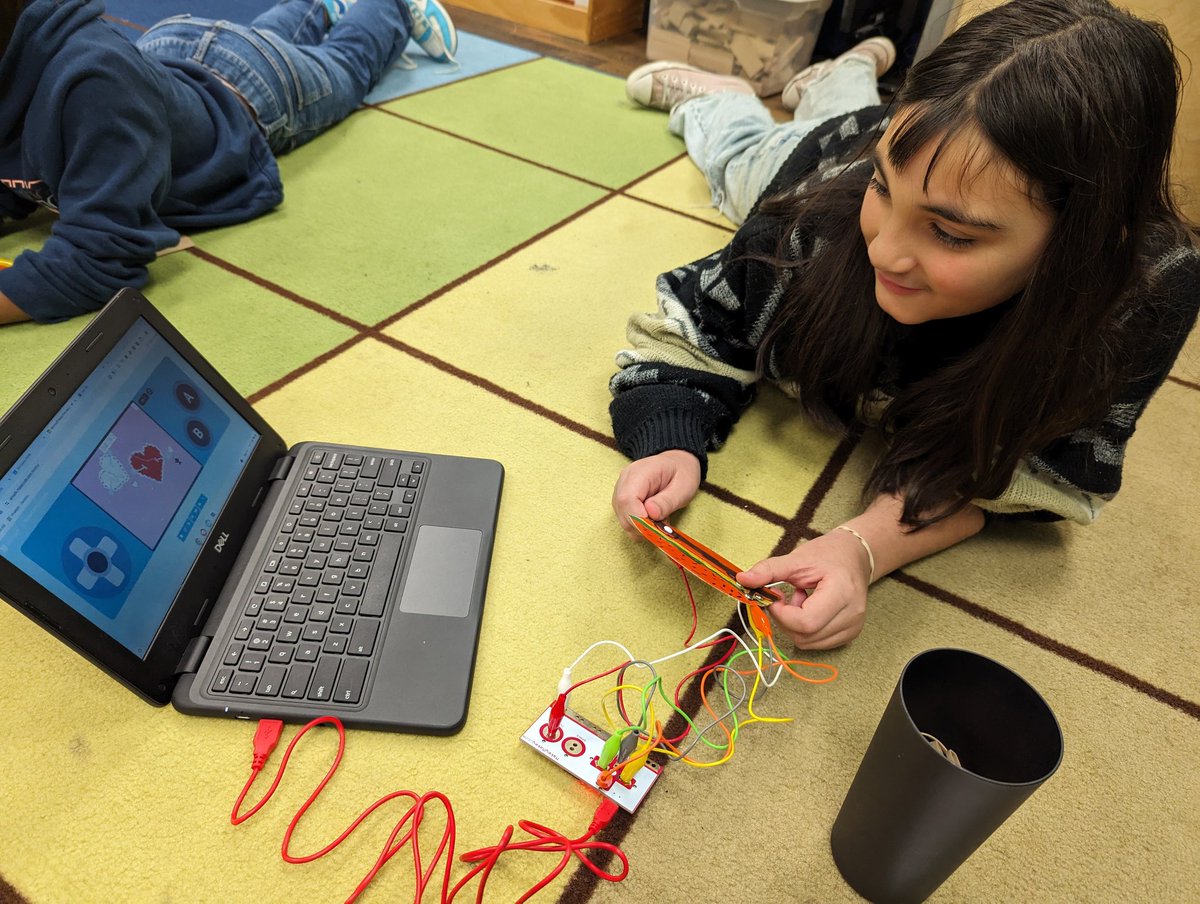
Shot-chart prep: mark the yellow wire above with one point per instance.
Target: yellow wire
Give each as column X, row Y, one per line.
column 657, row 743
column 757, row 680
column 616, row 690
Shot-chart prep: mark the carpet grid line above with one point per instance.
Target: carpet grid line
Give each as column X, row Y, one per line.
column 488, row 265
column 1049, row 644
column 803, row 528
column 487, row 147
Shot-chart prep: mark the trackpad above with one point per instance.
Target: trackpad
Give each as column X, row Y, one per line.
column 441, row 574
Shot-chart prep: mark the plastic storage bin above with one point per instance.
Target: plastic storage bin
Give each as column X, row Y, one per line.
column 765, row 42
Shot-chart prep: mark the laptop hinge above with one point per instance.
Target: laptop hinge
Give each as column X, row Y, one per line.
column 281, row 468
column 190, row 661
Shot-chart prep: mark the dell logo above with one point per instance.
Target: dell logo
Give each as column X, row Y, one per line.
column 219, row 546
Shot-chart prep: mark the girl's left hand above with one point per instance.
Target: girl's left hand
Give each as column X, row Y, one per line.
column 830, row 574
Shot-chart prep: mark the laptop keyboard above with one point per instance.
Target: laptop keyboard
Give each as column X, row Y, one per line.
column 314, row 618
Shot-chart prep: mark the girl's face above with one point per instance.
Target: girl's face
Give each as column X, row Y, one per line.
column 963, row 244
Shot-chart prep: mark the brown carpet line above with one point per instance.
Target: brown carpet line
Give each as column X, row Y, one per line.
column 624, row 189
column 1045, row 642
column 499, row 391
column 827, row 478
column 365, row 331
column 308, row 367
column 679, row 213
column 9, row 895
column 796, row 528
column 488, row 147
column 487, row 265
column 277, row 289
column 746, row 505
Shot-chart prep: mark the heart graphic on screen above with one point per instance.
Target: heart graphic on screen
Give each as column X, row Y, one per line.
column 148, row 462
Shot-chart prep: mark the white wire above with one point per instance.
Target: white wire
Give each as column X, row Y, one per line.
column 644, row 663
column 749, row 652
column 600, row 643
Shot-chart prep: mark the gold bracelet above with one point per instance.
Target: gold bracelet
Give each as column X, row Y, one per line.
column 865, row 545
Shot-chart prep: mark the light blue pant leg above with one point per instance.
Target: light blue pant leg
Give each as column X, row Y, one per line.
column 297, row 83
column 300, row 22
column 738, row 145
column 368, row 38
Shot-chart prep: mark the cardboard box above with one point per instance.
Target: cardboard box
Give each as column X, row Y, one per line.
column 765, row 42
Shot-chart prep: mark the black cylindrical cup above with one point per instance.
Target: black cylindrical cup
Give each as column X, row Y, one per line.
column 911, row 816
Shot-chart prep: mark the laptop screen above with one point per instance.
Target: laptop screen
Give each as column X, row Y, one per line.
column 111, row 504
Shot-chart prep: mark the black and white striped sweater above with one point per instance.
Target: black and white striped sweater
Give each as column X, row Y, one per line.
column 691, row 370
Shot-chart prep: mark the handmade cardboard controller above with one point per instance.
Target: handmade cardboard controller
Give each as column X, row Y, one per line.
column 708, row 566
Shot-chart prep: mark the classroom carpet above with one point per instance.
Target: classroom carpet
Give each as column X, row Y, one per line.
column 452, row 270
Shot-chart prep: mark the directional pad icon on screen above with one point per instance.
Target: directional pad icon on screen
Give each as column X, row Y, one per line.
column 97, row 564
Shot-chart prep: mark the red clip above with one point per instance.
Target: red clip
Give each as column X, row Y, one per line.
column 550, row 731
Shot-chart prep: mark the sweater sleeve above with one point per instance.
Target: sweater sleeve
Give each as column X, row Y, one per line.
column 691, row 367
column 110, row 173
column 1076, row 475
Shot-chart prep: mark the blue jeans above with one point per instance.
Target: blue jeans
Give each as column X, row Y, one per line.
column 298, row 76
column 740, row 147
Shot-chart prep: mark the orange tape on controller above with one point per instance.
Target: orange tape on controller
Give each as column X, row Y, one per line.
column 696, row 558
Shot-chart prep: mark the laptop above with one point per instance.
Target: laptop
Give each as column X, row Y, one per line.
column 154, row 522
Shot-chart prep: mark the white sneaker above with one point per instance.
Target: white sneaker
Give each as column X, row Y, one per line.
column 432, row 29
column 878, row 50
column 664, row 84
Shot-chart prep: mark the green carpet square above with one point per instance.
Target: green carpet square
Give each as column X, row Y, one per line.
column 367, row 228
column 28, row 349
column 559, row 115
column 250, row 334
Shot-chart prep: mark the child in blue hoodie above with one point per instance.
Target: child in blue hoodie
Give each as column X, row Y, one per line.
column 132, row 144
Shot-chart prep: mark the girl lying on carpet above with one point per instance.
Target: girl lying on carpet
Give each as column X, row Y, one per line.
column 131, row 144
column 991, row 269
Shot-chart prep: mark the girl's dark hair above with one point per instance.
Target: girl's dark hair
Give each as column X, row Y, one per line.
column 1080, row 97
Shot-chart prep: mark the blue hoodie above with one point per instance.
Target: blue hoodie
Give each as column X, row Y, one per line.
column 127, row 149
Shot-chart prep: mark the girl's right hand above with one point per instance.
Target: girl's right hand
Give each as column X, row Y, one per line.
column 655, row 486
column 831, row 608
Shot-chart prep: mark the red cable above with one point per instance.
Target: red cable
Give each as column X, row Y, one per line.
column 544, row 839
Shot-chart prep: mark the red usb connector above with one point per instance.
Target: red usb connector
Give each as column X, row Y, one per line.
column 265, row 740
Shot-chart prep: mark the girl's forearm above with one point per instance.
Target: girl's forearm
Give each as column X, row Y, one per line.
column 894, row 545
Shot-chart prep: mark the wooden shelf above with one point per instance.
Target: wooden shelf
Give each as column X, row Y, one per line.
column 597, row 21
